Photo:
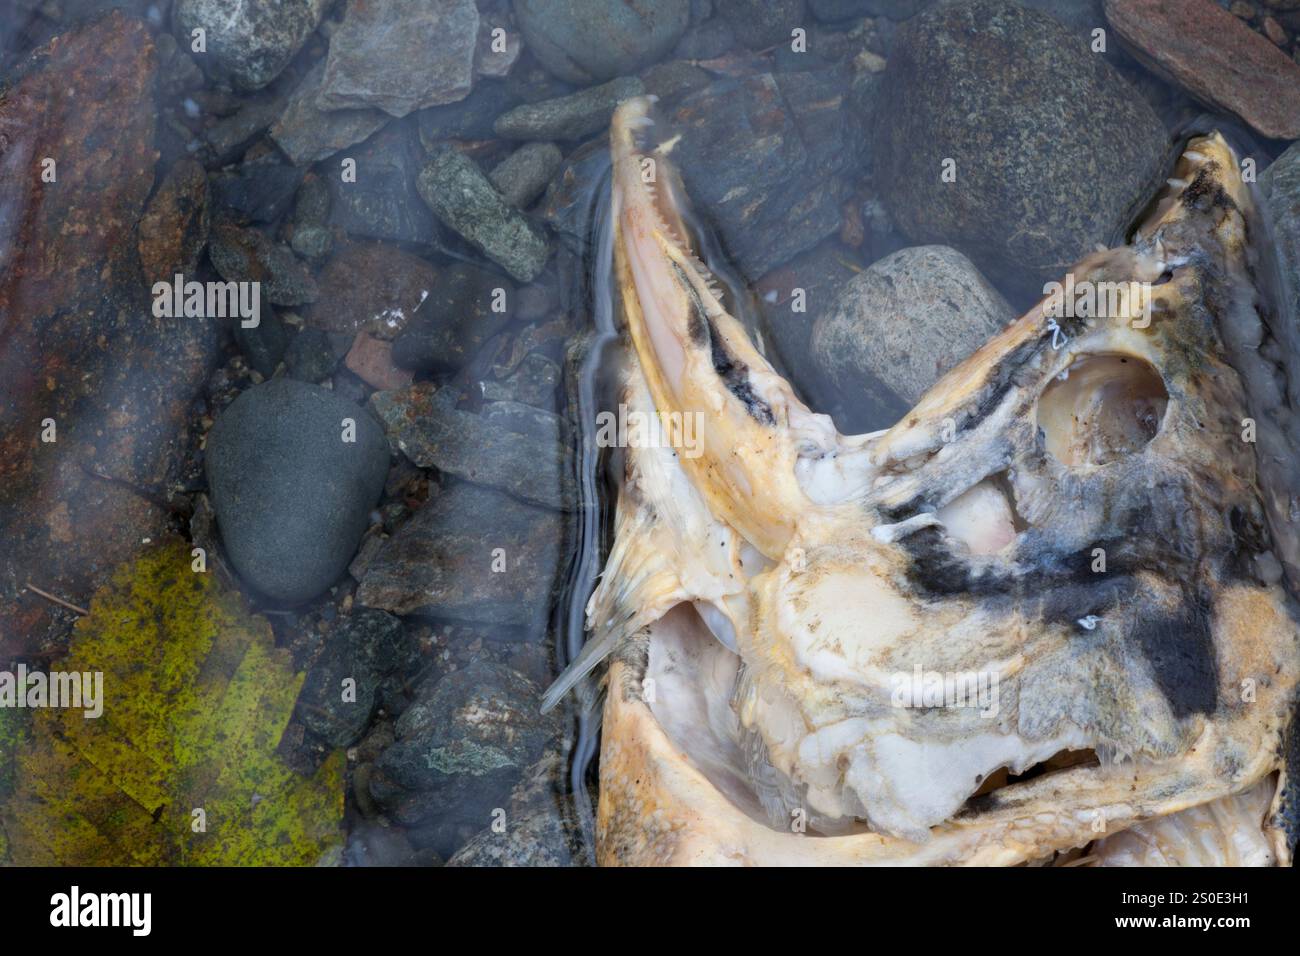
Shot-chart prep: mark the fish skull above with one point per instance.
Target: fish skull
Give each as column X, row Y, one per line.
column 1052, row 608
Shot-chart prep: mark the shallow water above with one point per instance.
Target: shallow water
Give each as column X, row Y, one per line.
column 794, row 155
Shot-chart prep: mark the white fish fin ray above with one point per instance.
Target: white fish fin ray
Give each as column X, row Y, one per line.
column 637, row 587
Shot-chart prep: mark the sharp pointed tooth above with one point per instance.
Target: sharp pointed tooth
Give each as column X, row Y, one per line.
column 746, row 468
column 1177, row 183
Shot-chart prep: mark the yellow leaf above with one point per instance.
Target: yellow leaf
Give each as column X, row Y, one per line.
column 196, row 697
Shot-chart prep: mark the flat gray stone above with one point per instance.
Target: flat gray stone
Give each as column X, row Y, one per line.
column 307, row 132
column 401, row 55
column 440, row 563
column 382, row 203
column 531, row 464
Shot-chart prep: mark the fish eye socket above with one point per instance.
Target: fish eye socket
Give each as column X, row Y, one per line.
column 1105, row 408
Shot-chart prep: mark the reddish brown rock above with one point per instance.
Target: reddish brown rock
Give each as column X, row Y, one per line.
column 372, row 287
column 79, row 344
column 174, row 229
column 372, row 361
column 1215, row 57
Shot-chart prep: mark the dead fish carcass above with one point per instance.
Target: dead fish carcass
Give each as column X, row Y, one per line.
column 1047, row 617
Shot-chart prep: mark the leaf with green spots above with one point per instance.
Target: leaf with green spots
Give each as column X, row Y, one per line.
column 196, row 697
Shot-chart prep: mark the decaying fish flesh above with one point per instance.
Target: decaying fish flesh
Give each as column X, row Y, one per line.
column 1048, row 617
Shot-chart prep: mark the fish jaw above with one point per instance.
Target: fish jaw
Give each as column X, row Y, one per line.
column 841, row 561
column 657, row 809
column 697, row 360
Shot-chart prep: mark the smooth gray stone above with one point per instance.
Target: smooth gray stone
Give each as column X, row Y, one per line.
column 292, row 498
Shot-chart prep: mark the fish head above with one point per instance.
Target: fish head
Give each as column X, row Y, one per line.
column 1049, row 605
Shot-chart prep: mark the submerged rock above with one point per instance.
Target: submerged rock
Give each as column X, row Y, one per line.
column 1217, row 58
column 523, row 175
column 401, row 55
column 263, row 344
column 904, row 322
column 258, row 190
column 768, row 157
column 470, row 118
column 897, row 10
column 1040, row 179
column 454, row 321
column 292, row 493
column 427, row 426
column 467, row 203
column 309, row 234
column 175, row 224
column 307, row 132
column 672, row 80
column 535, row 382
column 373, row 844
column 471, row 554
column 537, row 838
column 790, row 299
column 371, row 360
column 762, row 23
column 366, row 647
column 462, row 746
column 568, row 117
column 372, row 287
column 226, row 139
column 383, row 203
column 82, row 348
column 706, row 40
column 252, row 41
column 310, row 357
column 248, row 255
column 1083, row 16
column 541, row 826
column 586, row 41
column 1280, row 186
